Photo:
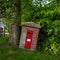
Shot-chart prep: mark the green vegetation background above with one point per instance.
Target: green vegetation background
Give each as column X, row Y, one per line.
column 47, row 15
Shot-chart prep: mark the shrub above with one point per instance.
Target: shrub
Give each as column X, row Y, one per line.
column 49, row 36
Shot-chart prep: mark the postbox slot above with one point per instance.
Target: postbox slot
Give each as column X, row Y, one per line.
column 28, row 40
column 29, row 32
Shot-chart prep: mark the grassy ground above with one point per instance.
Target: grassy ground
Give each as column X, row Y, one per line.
column 8, row 52
column 14, row 53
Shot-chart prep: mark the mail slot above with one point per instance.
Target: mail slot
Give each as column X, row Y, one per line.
column 28, row 40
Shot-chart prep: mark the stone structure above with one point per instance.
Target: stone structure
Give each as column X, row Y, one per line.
column 1, row 28
column 29, row 35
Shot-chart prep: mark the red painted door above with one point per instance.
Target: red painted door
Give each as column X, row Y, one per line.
column 28, row 40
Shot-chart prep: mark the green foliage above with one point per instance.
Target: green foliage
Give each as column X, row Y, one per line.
column 49, row 39
column 3, row 40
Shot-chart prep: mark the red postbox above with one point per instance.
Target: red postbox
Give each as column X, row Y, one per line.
column 29, row 35
column 28, row 40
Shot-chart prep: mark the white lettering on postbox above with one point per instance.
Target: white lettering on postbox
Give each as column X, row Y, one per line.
column 28, row 40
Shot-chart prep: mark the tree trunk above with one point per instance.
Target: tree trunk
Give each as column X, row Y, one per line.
column 13, row 34
column 15, row 27
column 18, row 10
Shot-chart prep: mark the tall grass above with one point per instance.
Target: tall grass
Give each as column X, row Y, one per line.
column 14, row 53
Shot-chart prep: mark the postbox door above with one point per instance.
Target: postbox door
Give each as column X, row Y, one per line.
column 28, row 40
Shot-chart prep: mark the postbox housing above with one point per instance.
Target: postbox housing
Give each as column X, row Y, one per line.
column 29, row 35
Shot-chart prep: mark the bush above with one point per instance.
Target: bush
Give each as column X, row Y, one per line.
column 49, row 36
